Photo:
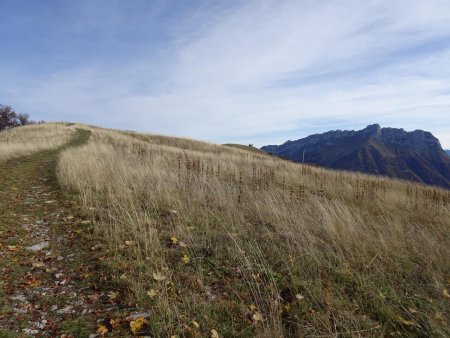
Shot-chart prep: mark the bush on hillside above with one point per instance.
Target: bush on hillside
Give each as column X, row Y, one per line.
column 9, row 118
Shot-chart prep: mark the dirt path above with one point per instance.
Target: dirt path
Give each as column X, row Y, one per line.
column 53, row 282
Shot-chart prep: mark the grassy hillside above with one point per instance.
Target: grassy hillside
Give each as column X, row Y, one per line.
column 213, row 239
column 30, row 139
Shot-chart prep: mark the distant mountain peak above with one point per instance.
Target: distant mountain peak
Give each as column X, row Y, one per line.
column 414, row 155
column 373, row 130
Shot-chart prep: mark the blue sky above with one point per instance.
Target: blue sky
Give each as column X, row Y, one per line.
column 259, row 72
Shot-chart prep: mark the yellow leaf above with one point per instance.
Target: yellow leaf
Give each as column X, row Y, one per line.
column 252, row 307
column 152, row 293
column 115, row 323
column 287, row 308
column 185, row 259
column 257, row 317
column 174, row 240
column 194, row 323
column 102, row 330
column 158, row 276
column 34, row 283
column 136, row 325
column 214, row 334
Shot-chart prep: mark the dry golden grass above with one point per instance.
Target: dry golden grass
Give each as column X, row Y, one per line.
column 30, row 139
column 250, row 245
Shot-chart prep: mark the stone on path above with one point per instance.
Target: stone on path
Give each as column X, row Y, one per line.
column 38, row 247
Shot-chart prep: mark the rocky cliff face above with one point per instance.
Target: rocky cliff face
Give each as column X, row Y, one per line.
column 416, row 156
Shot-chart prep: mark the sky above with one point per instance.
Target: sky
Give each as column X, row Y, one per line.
column 260, row 72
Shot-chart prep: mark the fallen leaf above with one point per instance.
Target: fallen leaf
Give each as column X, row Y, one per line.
column 195, row 324
column 252, row 307
column 115, row 323
column 34, row 283
column 12, row 248
column 128, row 243
column 102, row 330
column 185, row 259
column 183, row 244
column 257, row 317
column 286, row 308
column 214, row 334
column 136, row 325
column 158, row 276
column 152, row 293
column 174, row 240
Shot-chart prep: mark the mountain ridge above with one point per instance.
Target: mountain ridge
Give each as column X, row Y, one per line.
column 415, row 155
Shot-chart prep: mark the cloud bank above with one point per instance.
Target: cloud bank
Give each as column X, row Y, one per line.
column 255, row 72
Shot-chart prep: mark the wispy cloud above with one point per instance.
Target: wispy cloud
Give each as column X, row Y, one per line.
column 252, row 72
